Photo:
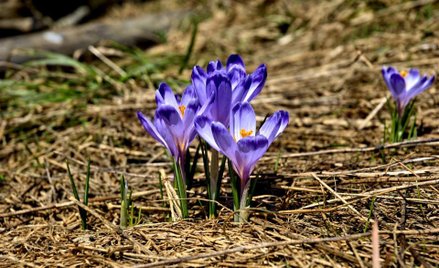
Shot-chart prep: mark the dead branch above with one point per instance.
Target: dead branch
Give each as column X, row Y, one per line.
column 140, row 31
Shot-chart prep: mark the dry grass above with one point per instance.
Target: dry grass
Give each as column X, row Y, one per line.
column 315, row 210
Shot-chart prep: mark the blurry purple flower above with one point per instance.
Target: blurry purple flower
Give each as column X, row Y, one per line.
column 173, row 124
column 242, row 145
column 230, row 84
column 405, row 85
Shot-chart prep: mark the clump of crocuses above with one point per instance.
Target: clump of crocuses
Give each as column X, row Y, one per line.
column 217, row 107
column 219, row 89
column 404, row 86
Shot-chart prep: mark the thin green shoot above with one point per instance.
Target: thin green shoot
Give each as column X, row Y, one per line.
column 235, row 183
column 82, row 212
column 402, row 126
column 124, row 203
column 181, row 190
column 127, row 216
column 87, row 184
column 369, row 216
column 204, row 149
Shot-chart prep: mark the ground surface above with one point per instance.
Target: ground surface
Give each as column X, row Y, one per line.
column 324, row 60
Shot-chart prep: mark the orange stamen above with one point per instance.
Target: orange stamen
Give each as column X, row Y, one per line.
column 404, row 73
column 182, row 108
column 244, row 133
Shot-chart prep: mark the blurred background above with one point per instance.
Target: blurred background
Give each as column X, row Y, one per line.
column 27, row 16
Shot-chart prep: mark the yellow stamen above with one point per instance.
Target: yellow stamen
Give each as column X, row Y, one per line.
column 182, row 108
column 244, row 133
column 404, row 73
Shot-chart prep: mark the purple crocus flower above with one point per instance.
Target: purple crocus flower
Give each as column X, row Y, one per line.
column 223, row 87
column 405, row 85
column 243, row 145
column 173, row 124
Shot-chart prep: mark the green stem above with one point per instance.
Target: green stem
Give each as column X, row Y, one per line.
column 124, row 203
column 243, row 205
column 214, row 168
column 235, row 182
column 181, row 190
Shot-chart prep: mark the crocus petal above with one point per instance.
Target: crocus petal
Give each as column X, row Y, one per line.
column 235, row 61
column 164, row 95
column 189, row 94
column 224, row 140
column 205, row 108
column 255, row 82
column 236, row 77
column 235, row 70
column 274, row 125
column 199, row 83
column 412, row 78
column 239, row 92
column 169, row 139
column 397, row 84
column 253, row 148
column 423, row 84
column 203, row 125
column 214, row 66
column 172, row 119
column 387, row 72
column 243, row 119
column 150, row 128
column 250, row 150
column 219, row 109
column 188, row 121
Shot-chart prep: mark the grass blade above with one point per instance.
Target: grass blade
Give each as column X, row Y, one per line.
column 87, row 184
column 82, row 212
column 190, row 48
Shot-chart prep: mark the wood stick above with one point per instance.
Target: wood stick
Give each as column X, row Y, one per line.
column 411, row 143
column 138, row 31
column 71, row 203
column 340, row 198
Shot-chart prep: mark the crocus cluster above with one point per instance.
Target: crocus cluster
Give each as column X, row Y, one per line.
column 217, row 107
column 404, row 87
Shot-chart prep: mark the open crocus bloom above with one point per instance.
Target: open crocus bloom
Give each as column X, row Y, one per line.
column 405, row 85
column 243, row 87
column 243, row 145
column 173, row 124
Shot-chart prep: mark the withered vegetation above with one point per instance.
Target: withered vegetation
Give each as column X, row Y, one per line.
column 322, row 183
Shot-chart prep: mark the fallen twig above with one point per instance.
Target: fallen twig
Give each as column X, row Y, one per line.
column 411, row 143
column 71, row 203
